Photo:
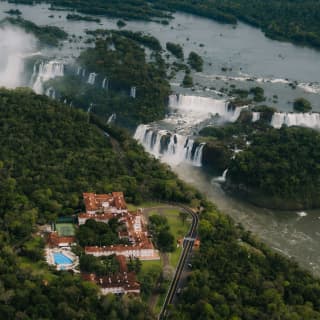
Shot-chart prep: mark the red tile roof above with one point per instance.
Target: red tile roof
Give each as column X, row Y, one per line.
column 126, row 280
column 99, row 216
column 118, row 248
column 55, row 240
column 122, row 263
column 94, row 202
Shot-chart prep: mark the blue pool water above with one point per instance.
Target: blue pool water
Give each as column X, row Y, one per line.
column 60, row 258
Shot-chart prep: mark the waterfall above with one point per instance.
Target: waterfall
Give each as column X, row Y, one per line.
column 196, row 109
column 92, row 78
column 310, row 120
column 197, row 159
column 34, row 74
column 112, row 118
column 236, row 113
column 51, row 93
column 78, row 71
column 83, row 72
column 223, row 177
column 133, row 92
column 47, row 71
column 105, row 83
column 173, row 148
column 90, row 107
column 255, row 116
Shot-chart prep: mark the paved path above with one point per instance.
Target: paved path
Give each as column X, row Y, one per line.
column 187, row 249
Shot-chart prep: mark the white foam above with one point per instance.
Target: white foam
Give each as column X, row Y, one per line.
column 302, row 214
column 309, row 120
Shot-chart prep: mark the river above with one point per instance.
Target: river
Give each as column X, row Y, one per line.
column 248, row 55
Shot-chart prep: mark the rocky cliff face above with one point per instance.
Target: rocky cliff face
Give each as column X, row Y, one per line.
column 216, row 155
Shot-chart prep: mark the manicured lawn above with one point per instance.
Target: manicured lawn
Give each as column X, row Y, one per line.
column 65, row 229
column 179, row 230
column 133, row 207
column 150, row 265
column 174, row 257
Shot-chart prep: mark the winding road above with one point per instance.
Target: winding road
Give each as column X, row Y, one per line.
column 187, row 248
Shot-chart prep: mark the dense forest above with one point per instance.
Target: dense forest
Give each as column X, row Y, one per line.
column 50, row 154
column 280, row 168
column 120, row 57
column 221, row 141
column 234, row 276
column 66, row 151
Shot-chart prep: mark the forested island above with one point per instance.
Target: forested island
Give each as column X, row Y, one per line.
column 272, row 168
column 293, row 21
column 120, row 57
column 280, row 169
column 132, row 9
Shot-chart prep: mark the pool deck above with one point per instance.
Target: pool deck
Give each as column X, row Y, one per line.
column 49, row 253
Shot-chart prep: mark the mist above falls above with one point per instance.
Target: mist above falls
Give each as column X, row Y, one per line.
column 15, row 46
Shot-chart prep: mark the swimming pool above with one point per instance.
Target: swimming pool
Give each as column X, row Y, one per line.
column 60, row 258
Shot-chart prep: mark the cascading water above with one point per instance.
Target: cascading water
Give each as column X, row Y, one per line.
column 50, row 92
column 47, row 71
column 223, row 178
column 194, row 109
column 173, row 143
column 255, row 116
column 112, row 118
column 34, row 75
column 173, row 148
column 92, row 78
column 310, row 120
column 197, row 158
column 133, row 92
column 105, row 83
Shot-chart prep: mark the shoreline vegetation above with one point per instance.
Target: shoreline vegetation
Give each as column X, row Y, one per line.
column 120, row 57
column 294, row 21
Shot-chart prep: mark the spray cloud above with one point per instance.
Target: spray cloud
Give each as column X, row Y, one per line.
column 15, row 46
